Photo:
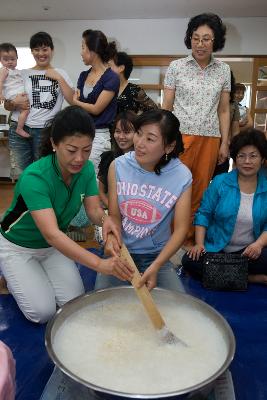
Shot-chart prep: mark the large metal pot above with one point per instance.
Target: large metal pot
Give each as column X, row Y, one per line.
column 198, row 391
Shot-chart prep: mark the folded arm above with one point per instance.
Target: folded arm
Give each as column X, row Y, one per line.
column 100, row 105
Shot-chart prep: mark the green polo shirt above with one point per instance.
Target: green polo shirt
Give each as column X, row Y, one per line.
column 41, row 186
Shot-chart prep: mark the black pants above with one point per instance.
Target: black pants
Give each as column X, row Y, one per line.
column 221, row 168
column 255, row 267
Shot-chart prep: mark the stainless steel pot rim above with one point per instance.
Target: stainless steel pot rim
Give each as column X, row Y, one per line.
column 201, row 385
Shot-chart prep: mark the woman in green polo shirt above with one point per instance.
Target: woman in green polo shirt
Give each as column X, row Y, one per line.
column 36, row 255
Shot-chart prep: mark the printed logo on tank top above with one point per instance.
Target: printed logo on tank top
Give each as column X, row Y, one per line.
column 140, row 211
column 146, row 208
column 44, row 92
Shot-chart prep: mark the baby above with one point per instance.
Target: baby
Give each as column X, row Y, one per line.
column 11, row 82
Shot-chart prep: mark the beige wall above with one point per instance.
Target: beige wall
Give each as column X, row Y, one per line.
column 245, row 36
column 242, row 70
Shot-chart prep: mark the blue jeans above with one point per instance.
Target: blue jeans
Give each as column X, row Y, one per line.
column 23, row 150
column 167, row 276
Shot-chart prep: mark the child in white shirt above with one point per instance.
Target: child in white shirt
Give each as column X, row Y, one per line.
column 11, row 82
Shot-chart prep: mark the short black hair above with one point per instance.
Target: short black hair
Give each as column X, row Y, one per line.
column 124, row 59
column 72, row 120
column 170, row 131
column 214, row 22
column 241, row 87
column 249, row 137
column 7, row 47
column 41, row 39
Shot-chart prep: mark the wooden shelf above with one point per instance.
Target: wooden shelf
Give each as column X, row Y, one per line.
column 260, row 110
column 152, row 86
column 152, row 61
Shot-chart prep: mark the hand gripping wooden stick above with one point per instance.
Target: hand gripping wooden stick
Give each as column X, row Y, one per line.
column 143, row 293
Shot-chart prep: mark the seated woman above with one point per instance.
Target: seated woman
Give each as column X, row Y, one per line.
column 232, row 217
column 36, row 256
column 148, row 189
column 123, row 142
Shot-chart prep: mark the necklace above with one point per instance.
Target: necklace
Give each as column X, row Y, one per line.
column 94, row 76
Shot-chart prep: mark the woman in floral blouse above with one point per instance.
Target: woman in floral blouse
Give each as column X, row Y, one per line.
column 196, row 89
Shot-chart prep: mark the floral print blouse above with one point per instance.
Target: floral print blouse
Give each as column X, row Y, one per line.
column 134, row 98
column 197, row 94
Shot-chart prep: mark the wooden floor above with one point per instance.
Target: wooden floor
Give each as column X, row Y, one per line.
column 6, row 195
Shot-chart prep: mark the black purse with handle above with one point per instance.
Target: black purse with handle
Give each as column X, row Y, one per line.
column 225, row 271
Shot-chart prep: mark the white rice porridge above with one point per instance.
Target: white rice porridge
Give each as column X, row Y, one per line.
column 112, row 344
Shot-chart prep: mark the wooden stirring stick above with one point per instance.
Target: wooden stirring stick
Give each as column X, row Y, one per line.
column 147, row 300
column 143, row 293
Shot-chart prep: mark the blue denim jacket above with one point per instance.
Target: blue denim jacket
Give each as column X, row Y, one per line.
column 220, row 205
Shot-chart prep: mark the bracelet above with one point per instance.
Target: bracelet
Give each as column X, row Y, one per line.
column 103, row 219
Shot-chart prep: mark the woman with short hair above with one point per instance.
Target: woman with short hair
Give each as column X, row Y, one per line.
column 46, row 88
column 196, row 89
column 232, row 217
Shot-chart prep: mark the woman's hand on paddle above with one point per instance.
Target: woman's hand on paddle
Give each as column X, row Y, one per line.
column 109, row 226
column 117, row 267
column 149, row 278
column 112, row 247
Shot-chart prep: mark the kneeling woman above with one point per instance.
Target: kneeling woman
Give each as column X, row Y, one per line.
column 149, row 189
column 232, row 217
column 36, row 256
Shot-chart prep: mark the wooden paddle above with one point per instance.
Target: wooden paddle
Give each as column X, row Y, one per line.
column 148, row 302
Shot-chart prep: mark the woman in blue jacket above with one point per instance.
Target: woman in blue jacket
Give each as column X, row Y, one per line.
column 232, row 217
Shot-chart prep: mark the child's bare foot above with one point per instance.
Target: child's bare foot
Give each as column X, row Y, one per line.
column 22, row 133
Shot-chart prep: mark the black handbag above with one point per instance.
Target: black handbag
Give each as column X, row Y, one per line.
column 225, row 271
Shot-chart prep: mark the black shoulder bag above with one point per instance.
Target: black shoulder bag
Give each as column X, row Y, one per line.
column 225, row 271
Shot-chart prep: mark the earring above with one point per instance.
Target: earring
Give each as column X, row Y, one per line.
column 166, row 157
column 54, row 150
